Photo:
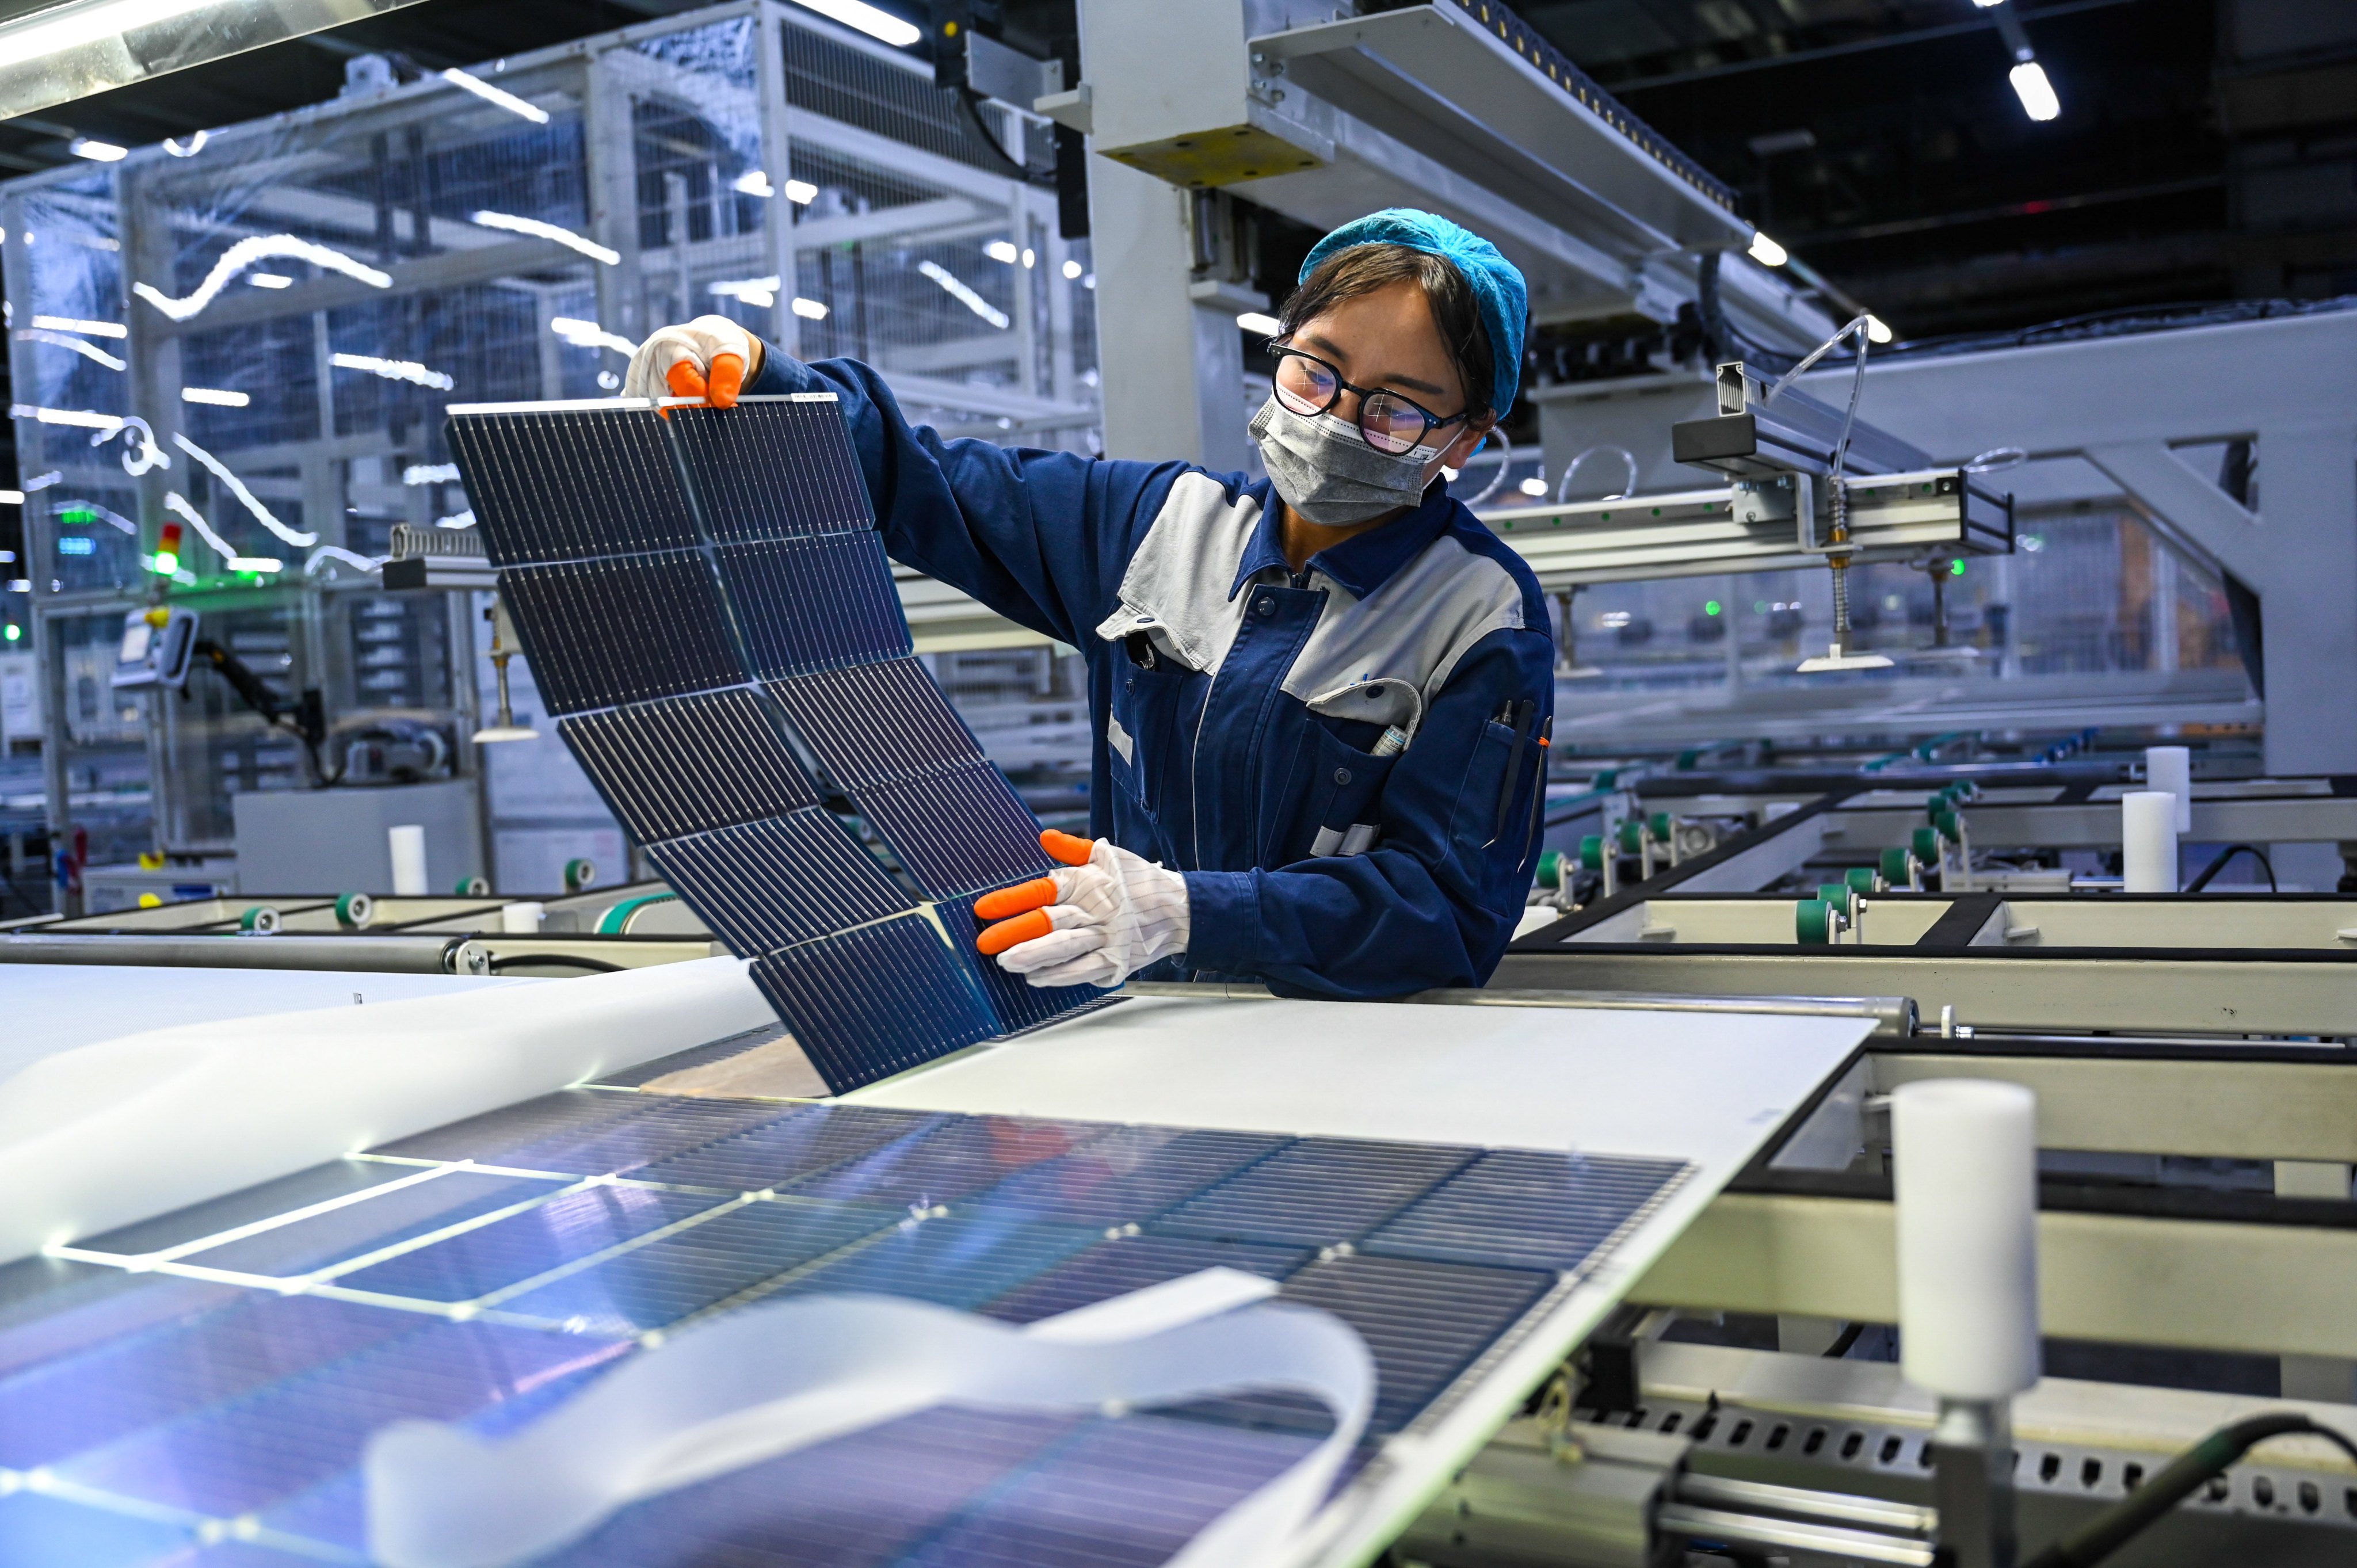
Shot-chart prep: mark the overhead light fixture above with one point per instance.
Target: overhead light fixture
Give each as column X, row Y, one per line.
column 246, row 497
column 88, row 419
column 810, row 309
column 589, row 334
column 394, row 369
column 2037, row 93
column 430, row 474
column 540, row 231
column 1767, row 252
column 75, row 324
column 244, row 254
column 876, row 23
column 801, row 192
column 269, row 279
column 1072, row 271
column 1259, row 324
column 218, row 397
column 1878, row 330
column 1000, row 251
column 959, row 291
column 96, row 152
column 188, row 148
column 471, row 82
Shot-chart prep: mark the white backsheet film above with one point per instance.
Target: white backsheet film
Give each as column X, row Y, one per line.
column 123, row 1130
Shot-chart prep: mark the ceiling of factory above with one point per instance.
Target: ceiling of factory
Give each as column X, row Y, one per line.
column 2205, row 148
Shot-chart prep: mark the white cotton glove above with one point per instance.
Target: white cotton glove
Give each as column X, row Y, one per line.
column 1112, row 918
column 678, row 361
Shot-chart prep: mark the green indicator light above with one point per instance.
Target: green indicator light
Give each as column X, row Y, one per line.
column 1710, row 606
column 14, row 631
column 1955, row 568
column 78, row 514
column 165, row 564
column 1759, row 607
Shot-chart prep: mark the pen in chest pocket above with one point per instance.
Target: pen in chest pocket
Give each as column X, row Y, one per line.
column 1359, row 836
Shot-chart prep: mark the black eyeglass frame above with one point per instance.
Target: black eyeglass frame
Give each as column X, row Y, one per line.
column 1432, row 421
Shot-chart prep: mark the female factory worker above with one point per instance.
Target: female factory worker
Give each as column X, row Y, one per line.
column 1257, row 652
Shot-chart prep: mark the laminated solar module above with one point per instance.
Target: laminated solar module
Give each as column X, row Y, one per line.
column 707, row 608
column 201, row 1388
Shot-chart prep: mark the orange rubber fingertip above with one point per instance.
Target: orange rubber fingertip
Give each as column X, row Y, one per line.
column 1065, row 847
column 1036, row 894
column 685, row 381
column 1024, row 928
column 726, row 381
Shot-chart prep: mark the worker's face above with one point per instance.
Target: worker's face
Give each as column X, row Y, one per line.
column 1387, row 340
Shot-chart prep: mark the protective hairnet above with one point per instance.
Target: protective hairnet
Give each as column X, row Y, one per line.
column 1499, row 292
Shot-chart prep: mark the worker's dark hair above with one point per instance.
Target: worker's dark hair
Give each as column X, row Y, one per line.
column 1364, row 269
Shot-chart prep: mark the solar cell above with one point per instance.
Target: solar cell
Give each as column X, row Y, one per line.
column 951, row 1262
column 958, row 1156
column 1541, row 1211
column 1127, row 1176
column 770, row 884
column 687, row 764
column 1316, row 1190
column 567, row 484
column 1126, row 1264
column 500, row 1256
column 869, row 723
column 1015, row 1002
column 629, row 630
column 812, row 602
column 871, row 1002
column 789, row 1147
column 1423, row 1322
column 384, row 1218
column 321, row 1184
column 770, row 468
column 960, row 831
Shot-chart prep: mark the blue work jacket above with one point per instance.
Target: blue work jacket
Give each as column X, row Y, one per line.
column 1236, row 705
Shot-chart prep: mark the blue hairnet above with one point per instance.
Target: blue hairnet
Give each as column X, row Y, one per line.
column 1499, row 292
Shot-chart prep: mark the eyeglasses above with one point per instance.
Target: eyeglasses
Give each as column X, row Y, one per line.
column 1389, row 422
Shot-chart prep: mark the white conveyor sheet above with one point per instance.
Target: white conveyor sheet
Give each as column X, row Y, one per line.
column 1706, row 1088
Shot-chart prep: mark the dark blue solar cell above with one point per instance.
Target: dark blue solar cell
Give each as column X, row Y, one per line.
column 1422, row 1322
column 383, row 1220
column 960, row 832
column 630, row 630
column 1132, row 1262
column 52, row 1308
column 1128, row 1176
column 1318, row 1192
column 798, row 1144
column 952, row 1263
column 564, row 484
column 1533, row 1209
column 869, row 723
column 1013, row 1001
column 861, row 1501
column 770, row 884
column 813, row 601
column 687, row 764
column 501, row 1256
column 587, row 1132
column 872, row 1002
column 952, row 1160
column 768, row 468
column 237, row 1456
column 1079, row 1504
column 321, row 1184
column 655, row 1286
column 164, row 1371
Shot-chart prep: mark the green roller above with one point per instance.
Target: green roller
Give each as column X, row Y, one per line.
column 1813, row 921
column 1633, row 836
column 354, row 909
column 1927, row 846
column 471, row 887
column 1861, row 878
column 579, row 874
column 1894, row 867
column 1592, row 851
column 1837, row 893
column 1663, row 826
column 616, row 921
column 1933, row 805
column 1951, row 826
column 261, row 920
column 1607, row 778
column 1551, row 868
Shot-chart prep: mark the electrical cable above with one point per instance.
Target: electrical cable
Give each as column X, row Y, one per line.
column 1563, row 487
column 971, row 102
column 2219, row 864
column 1505, row 461
column 2116, row 1526
column 562, row 961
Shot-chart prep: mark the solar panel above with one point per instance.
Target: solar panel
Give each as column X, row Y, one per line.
column 769, row 884
column 657, row 567
column 625, row 629
column 962, row 832
column 869, row 723
column 138, row 1396
column 768, row 468
column 687, row 764
column 564, row 484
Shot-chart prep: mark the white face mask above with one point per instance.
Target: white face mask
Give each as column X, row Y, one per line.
column 1324, row 470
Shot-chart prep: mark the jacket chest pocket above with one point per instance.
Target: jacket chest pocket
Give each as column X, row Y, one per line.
column 1336, row 797
column 1140, row 728
column 1480, row 813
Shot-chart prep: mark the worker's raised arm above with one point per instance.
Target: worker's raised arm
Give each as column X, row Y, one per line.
column 1435, row 901
column 1040, row 537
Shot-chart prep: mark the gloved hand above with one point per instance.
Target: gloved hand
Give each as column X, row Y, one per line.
column 1096, row 921
column 711, row 356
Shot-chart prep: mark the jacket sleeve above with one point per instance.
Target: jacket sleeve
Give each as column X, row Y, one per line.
column 1435, row 902
column 1040, row 537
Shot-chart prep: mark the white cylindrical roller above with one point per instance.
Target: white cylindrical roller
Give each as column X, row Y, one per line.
column 2148, row 842
column 1966, row 1177
column 408, row 844
column 521, row 919
column 2170, row 768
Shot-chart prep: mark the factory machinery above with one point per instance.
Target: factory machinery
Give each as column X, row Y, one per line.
column 1647, row 1249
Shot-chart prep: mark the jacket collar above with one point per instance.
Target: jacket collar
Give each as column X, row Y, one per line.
column 1363, row 563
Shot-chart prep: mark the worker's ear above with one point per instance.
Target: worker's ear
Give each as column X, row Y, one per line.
column 1468, row 442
